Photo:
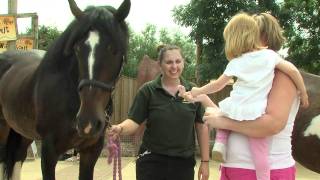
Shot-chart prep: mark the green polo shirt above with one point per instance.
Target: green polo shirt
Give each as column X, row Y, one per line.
column 170, row 121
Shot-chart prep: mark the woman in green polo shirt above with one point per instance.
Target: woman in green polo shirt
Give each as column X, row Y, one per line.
column 168, row 144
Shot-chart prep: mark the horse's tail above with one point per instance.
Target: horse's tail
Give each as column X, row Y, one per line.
column 5, row 64
column 13, row 143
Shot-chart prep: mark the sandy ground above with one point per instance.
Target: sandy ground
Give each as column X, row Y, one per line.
column 69, row 170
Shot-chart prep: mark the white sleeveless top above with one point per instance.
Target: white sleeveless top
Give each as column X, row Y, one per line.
column 254, row 72
column 238, row 152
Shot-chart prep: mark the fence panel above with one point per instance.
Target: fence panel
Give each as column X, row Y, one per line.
column 125, row 91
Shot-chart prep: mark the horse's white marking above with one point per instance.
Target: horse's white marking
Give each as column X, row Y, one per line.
column 1, row 171
column 16, row 175
column 88, row 128
column 92, row 41
column 314, row 127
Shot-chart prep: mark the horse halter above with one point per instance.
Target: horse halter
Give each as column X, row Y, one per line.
column 106, row 87
column 93, row 83
column 98, row 84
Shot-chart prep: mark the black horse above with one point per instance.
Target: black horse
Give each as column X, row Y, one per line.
column 61, row 98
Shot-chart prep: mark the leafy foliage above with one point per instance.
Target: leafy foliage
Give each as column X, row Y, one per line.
column 47, row 35
column 207, row 18
column 146, row 43
column 302, row 22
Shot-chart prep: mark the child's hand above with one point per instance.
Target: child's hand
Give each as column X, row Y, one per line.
column 195, row 91
column 304, row 100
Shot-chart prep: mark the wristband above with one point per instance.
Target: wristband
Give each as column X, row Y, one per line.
column 203, row 161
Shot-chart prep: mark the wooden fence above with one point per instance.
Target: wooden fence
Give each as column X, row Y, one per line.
column 124, row 93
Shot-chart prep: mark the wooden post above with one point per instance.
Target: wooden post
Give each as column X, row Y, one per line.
column 35, row 30
column 12, row 9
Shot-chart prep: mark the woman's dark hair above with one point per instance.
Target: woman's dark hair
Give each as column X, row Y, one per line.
column 164, row 48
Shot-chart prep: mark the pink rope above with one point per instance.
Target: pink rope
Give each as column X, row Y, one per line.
column 115, row 155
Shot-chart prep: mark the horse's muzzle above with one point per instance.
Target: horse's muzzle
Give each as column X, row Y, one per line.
column 92, row 127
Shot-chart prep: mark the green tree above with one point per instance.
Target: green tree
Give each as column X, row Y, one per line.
column 47, row 34
column 146, row 43
column 301, row 21
column 207, row 19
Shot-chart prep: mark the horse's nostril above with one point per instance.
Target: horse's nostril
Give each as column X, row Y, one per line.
column 99, row 125
column 87, row 129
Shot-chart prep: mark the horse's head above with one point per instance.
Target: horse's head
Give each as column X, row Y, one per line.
column 99, row 42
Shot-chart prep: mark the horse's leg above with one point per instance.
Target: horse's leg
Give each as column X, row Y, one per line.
column 49, row 158
column 15, row 153
column 20, row 156
column 4, row 132
column 88, row 159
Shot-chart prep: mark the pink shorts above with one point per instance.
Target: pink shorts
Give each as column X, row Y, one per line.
column 248, row 174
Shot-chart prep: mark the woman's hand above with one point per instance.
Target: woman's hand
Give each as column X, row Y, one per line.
column 185, row 95
column 203, row 172
column 214, row 118
column 115, row 131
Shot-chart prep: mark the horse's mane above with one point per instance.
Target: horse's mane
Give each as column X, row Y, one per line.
column 102, row 19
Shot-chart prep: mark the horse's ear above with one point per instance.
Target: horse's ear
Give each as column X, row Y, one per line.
column 123, row 10
column 76, row 11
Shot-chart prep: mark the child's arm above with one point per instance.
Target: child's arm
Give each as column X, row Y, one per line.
column 212, row 87
column 289, row 69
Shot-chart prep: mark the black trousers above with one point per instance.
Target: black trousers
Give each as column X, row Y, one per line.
column 160, row 167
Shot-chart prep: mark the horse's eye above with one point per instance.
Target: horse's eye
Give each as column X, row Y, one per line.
column 77, row 48
column 112, row 50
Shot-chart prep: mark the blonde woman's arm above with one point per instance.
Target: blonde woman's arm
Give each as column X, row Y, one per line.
column 292, row 71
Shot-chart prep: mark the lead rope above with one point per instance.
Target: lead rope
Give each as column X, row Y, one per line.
column 115, row 155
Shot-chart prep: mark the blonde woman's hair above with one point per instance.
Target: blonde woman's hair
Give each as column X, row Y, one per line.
column 163, row 48
column 270, row 31
column 241, row 35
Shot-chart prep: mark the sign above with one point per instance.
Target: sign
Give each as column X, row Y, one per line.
column 3, row 46
column 24, row 44
column 21, row 44
column 8, row 30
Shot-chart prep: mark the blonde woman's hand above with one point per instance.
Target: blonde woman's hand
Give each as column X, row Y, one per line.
column 203, row 172
column 182, row 90
column 115, row 131
column 185, row 95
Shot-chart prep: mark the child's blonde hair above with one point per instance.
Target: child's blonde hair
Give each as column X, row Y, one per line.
column 270, row 30
column 241, row 35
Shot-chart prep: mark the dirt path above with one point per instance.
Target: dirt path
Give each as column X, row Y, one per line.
column 69, row 170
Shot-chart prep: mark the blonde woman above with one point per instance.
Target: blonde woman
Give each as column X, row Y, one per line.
column 253, row 65
column 168, row 144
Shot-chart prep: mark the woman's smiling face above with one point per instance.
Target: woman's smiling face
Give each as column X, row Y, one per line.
column 172, row 64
